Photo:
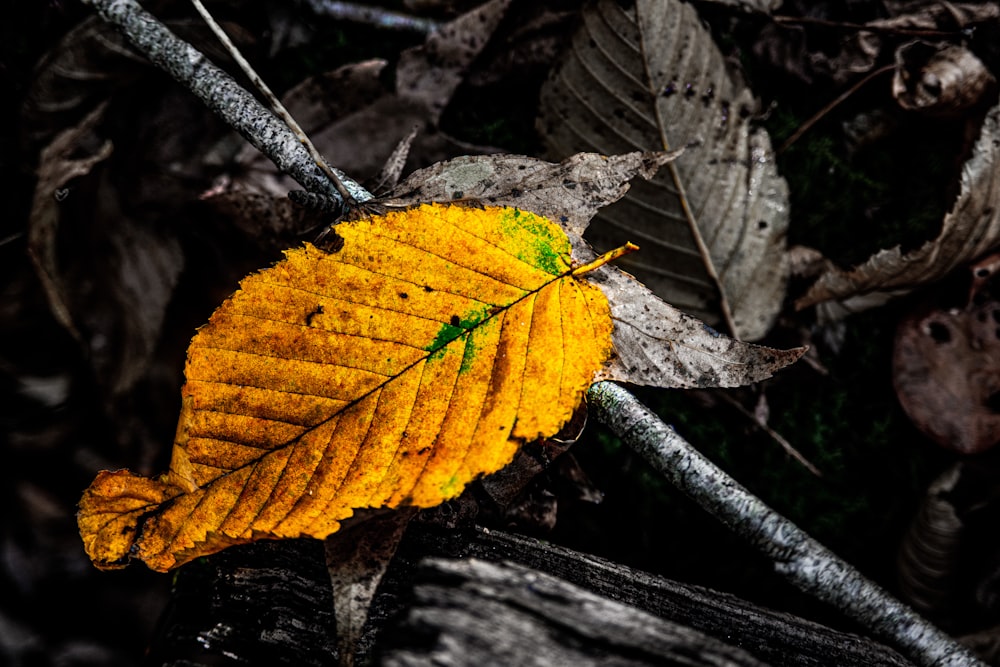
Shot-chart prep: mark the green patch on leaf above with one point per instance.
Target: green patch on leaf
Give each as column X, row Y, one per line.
column 543, row 244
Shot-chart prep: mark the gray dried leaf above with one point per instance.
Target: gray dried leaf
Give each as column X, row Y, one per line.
column 713, row 223
column 570, row 192
column 970, row 229
column 656, row 344
column 428, row 75
column 939, row 79
column 392, row 170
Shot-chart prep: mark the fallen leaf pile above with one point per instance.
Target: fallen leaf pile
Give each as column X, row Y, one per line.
column 413, row 355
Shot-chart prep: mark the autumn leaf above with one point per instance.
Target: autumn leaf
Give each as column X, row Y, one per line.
column 390, row 372
column 946, row 366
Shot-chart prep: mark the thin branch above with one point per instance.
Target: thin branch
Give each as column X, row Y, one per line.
column 816, row 117
column 868, row 27
column 276, row 106
column 374, row 16
column 777, row 437
column 221, row 93
column 804, row 562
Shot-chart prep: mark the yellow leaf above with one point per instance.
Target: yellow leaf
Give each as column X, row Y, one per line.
column 391, row 372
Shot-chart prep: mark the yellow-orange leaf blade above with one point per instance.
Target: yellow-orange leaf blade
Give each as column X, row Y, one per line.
column 393, row 371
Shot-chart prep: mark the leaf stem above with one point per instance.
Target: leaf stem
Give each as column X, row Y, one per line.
column 816, row 117
column 806, row 563
column 606, row 258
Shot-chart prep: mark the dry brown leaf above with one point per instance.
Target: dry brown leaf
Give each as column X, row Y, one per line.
column 712, row 224
column 799, row 40
column 656, row 343
column 939, row 79
column 356, row 560
column 946, row 370
column 759, row 6
column 58, row 165
column 91, row 61
column 946, row 563
column 970, row 229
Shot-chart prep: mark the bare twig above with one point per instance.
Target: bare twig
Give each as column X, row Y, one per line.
column 238, row 108
column 276, row 106
column 806, row 563
column 816, row 117
column 868, row 27
column 777, row 437
column 374, row 16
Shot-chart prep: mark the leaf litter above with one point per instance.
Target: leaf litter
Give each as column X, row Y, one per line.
column 456, row 271
column 265, row 204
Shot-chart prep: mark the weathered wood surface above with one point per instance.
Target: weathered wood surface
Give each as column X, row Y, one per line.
column 480, row 613
column 270, row 604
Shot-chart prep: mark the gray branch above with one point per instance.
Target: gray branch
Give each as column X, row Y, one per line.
column 806, row 563
column 238, row 108
column 803, row 561
column 374, row 16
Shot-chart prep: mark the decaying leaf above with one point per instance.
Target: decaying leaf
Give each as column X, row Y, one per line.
column 799, row 40
column 656, row 343
column 946, row 370
column 712, row 224
column 762, row 6
column 389, row 373
column 939, row 79
column 58, row 165
column 946, row 566
column 929, row 556
column 72, row 79
column 970, row 229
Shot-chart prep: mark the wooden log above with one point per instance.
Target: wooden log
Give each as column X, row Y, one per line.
column 269, row 603
column 479, row 613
